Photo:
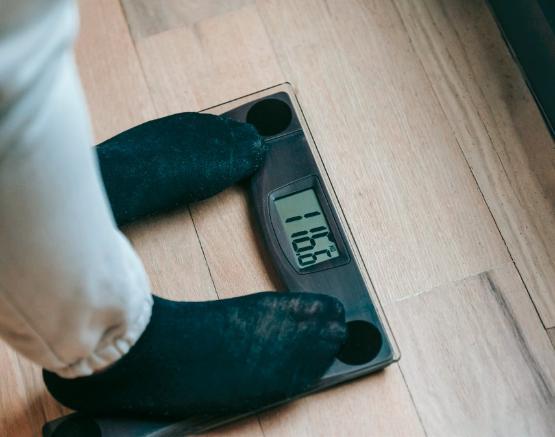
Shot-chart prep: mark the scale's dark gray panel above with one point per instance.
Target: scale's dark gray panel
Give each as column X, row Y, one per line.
column 307, row 246
column 290, row 169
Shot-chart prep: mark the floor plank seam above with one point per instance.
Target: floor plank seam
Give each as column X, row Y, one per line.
column 456, row 281
column 416, row 409
column 496, row 224
column 551, row 335
column 137, row 55
column 204, row 254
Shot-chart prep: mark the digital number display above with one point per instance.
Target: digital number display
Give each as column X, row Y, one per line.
column 306, row 228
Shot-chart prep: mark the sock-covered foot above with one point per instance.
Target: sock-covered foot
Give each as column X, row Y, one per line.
column 176, row 160
column 224, row 356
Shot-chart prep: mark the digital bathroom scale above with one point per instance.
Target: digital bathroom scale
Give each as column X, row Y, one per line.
column 308, row 241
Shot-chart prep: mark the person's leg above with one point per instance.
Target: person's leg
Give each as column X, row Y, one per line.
column 74, row 297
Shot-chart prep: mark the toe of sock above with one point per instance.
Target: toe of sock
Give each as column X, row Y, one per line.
column 177, row 159
column 336, row 332
column 320, row 305
column 248, row 146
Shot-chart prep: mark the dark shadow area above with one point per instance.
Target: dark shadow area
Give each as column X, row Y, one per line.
column 527, row 26
column 364, row 342
column 78, row 426
column 270, row 116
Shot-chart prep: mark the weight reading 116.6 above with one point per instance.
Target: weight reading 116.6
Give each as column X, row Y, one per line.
column 306, row 228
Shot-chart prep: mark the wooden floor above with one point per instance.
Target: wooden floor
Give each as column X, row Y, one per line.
column 441, row 162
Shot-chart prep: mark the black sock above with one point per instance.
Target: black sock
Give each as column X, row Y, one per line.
column 223, row 356
column 176, row 160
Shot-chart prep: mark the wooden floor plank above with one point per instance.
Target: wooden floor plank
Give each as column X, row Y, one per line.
column 114, row 83
column 24, row 403
column 173, row 258
column 499, row 128
column 218, row 59
column 147, row 18
column 404, row 184
column 477, row 359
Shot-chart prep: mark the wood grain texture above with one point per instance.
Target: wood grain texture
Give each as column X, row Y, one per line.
column 24, row 403
column 173, row 258
column 551, row 334
column 477, row 359
column 412, row 203
column 114, row 83
column 148, row 18
column 221, row 58
column 499, row 128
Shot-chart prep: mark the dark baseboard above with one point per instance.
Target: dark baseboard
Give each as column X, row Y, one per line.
column 528, row 27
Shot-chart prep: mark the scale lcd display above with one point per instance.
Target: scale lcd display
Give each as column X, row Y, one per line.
column 306, row 228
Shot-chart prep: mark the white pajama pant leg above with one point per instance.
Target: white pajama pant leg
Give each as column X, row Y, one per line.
column 74, row 296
